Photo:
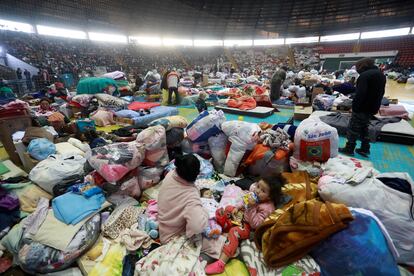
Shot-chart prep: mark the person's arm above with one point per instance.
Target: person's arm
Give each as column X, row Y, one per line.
column 361, row 91
column 196, row 218
column 256, row 215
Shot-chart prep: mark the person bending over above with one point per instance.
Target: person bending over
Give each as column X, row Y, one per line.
column 370, row 89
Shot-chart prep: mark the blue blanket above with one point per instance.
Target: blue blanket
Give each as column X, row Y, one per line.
column 71, row 208
column 156, row 113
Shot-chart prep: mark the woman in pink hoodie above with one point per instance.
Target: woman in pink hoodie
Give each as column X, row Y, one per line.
column 259, row 204
column 180, row 211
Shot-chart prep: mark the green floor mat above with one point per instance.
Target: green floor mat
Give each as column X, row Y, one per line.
column 3, row 169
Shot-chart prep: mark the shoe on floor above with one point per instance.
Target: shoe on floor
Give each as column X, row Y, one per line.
column 346, row 151
column 215, row 268
column 362, row 152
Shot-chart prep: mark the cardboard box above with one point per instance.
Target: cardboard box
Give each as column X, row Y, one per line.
column 302, row 112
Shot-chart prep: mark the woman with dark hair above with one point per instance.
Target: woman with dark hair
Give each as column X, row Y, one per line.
column 180, row 211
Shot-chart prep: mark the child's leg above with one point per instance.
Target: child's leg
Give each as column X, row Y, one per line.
column 235, row 235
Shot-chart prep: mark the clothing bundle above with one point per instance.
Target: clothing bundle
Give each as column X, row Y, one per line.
column 114, row 161
column 9, row 209
column 275, row 139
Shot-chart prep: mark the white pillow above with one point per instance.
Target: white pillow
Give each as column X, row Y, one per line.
column 68, row 148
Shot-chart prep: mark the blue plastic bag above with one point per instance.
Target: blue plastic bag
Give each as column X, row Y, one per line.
column 41, row 148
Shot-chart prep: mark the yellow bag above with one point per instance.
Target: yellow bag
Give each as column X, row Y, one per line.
column 235, row 267
column 165, row 97
column 112, row 263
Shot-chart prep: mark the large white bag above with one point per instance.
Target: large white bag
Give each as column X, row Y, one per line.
column 243, row 136
column 391, row 206
column 315, row 141
column 217, row 145
column 206, row 124
column 57, row 167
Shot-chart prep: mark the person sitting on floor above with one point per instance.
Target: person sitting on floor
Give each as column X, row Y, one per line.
column 267, row 193
column 180, row 211
column 201, row 103
column 45, row 109
column 48, row 115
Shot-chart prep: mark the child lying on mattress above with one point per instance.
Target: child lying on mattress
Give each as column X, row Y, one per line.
column 258, row 205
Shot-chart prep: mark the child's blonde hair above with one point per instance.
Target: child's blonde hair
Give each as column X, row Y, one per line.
column 202, row 95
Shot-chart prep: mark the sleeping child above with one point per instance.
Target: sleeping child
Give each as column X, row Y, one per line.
column 213, row 230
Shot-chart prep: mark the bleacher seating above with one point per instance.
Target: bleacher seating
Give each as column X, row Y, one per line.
column 404, row 46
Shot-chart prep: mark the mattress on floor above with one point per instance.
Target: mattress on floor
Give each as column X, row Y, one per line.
column 260, row 111
column 283, row 106
column 156, row 113
column 401, row 132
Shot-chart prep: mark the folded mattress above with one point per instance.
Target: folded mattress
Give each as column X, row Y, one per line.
column 401, row 132
column 259, row 111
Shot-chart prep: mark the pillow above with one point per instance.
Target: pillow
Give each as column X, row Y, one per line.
column 170, row 122
column 68, row 148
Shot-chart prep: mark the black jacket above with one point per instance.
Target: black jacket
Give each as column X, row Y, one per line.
column 370, row 89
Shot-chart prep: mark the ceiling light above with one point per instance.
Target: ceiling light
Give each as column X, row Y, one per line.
column 266, row 42
column 297, row 40
column 113, row 38
column 15, row 26
column 177, row 42
column 146, row 40
column 385, row 33
column 207, row 43
column 340, row 37
column 232, row 42
column 47, row 30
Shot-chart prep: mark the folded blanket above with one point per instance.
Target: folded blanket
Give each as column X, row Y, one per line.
column 71, row 208
column 299, row 229
column 142, row 105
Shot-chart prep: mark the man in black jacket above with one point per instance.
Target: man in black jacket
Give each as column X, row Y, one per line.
column 370, row 89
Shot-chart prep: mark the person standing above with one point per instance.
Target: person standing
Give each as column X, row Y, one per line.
column 19, row 73
column 277, row 80
column 172, row 83
column 28, row 78
column 201, row 102
column 370, row 89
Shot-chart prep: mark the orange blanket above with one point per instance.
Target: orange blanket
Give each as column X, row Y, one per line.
column 242, row 103
column 299, row 229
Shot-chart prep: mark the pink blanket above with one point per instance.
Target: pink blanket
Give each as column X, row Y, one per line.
column 142, row 105
column 394, row 110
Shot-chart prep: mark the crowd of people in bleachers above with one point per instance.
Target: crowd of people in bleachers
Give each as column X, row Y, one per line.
column 57, row 56
column 79, row 57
